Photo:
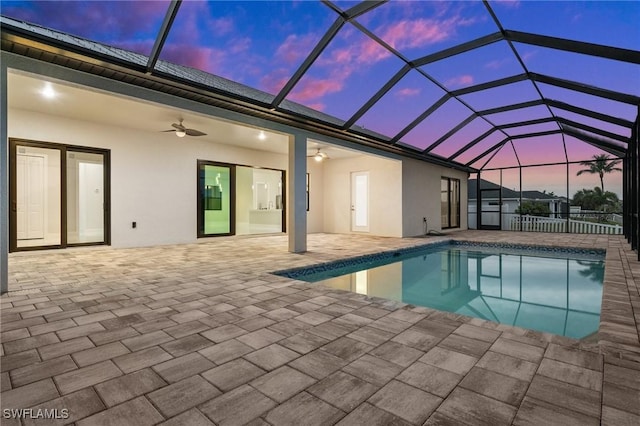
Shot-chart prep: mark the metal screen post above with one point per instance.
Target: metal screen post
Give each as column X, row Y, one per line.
column 568, row 203
column 478, row 204
column 625, row 195
column 500, row 203
column 520, row 170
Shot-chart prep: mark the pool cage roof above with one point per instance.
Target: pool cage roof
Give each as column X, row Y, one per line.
column 470, row 85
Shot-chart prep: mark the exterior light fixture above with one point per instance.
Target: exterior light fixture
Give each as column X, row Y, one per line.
column 262, row 136
column 320, row 156
column 47, row 91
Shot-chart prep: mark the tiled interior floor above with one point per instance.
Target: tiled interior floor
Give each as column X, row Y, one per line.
column 202, row 334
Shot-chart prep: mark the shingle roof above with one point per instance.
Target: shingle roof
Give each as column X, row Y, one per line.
column 506, row 192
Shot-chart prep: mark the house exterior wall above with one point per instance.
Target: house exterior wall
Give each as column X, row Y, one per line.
column 153, row 176
column 421, row 196
column 385, row 194
column 153, row 182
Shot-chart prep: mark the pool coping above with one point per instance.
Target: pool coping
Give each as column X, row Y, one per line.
column 301, row 271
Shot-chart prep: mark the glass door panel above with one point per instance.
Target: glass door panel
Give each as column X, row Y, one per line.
column 455, row 203
column 259, row 201
column 38, row 193
column 216, row 206
column 444, row 204
column 85, row 198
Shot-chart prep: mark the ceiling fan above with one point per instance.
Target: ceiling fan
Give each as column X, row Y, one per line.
column 182, row 131
column 319, row 156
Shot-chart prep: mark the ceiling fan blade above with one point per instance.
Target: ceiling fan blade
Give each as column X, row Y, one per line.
column 194, row 132
column 172, row 130
column 178, row 126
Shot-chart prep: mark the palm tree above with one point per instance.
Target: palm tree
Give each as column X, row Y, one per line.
column 600, row 165
column 594, row 270
column 594, row 199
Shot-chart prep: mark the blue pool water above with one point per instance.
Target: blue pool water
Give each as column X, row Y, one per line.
column 554, row 291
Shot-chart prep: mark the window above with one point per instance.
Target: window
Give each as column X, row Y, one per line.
column 450, row 199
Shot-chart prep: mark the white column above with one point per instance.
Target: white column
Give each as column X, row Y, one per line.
column 4, row 183
column 297, row 194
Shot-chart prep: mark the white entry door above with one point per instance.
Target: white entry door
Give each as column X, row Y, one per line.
column 360, row 201
column 30, row 197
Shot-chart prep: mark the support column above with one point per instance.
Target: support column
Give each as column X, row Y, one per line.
column 297, row 194
column 4, row 183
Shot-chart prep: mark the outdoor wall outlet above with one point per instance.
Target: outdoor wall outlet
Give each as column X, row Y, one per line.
column 134, row 224
column 424, row 219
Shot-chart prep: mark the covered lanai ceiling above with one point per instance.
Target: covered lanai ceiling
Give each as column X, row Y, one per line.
column 472, row 84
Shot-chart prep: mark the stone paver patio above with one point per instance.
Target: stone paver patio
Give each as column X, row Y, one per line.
column 202, row 334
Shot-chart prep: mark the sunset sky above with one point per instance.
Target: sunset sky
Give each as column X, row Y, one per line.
column 262, row 43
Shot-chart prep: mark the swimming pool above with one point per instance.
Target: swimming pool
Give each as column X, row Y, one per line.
column 556, row 291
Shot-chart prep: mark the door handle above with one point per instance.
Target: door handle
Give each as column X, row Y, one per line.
column 14, row 206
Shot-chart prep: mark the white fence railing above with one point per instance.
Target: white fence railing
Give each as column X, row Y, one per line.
column 546, row 224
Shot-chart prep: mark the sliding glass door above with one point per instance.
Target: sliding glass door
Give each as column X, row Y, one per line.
column 85, row 197
column 259, row 202
column 59, row 195
column 216, row 202
column 239, row 200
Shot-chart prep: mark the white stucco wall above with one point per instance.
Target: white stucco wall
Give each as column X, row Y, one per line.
column 385, row 194
column 421, row 196
column 153, row 175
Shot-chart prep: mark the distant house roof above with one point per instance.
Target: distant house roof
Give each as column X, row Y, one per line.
column 506, row 192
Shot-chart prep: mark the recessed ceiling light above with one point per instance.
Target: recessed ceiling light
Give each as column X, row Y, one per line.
column 262, row 136
column 47, row 91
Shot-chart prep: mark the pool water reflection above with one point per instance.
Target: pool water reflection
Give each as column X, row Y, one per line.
column 558, row 293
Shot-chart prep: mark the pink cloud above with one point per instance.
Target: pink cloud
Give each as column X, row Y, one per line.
column 416, row 33
column 497, row 64
column 413, row 33
column 407, row 92
column 458, row 81
column 274, row 81
column 222, row 26
column 372, row 52
column 239, row 45
column 528, row 55
column 508, row 3
column 295, row 48
column 312, row 88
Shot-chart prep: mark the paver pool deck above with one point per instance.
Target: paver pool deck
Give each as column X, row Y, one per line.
column 201, row 334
